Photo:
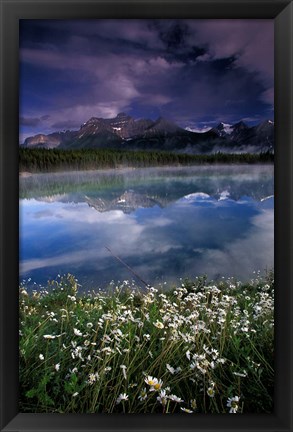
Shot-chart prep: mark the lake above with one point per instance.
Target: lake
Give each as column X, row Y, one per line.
column 162, row 224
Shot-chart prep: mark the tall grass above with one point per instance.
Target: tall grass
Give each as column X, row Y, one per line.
column 199, row 348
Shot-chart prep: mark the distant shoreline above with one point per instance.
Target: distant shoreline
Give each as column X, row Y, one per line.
column 51, row 160
column 25, row 174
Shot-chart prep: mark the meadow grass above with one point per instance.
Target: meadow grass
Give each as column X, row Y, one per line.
column 203, row 347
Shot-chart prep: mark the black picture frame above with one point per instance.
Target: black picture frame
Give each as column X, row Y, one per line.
column 11, row 12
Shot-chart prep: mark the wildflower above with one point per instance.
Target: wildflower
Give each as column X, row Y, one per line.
column 24, row 292
column 170, row 369
column 143, row 395
column 93, row 378
column 193, row 404
column 49, row 337
column 159, row 324
column 193, row 365
column 107, row 350
column 118, row 332
column 186, row 410
column 89, row 325
column 123, row 367
column 176, row 399
column 57, row 367
column 77, row 332
column 243, row 375
column 233, row 404
column 211, row 392
column 122, row 397
column 75, row 394
column 41, row 357
column 162, row 398
column 173, row 370
column 151, row 381
column 106, row 339
column 157, row 386
column 188, row 354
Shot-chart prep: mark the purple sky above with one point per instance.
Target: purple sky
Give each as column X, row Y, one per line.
column 194, row 72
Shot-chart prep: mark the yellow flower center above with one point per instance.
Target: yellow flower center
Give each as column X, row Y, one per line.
column 157, row 386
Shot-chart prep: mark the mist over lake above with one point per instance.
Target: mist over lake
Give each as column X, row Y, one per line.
column 164, row 223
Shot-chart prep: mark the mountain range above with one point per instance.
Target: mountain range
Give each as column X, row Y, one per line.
column 124, row 132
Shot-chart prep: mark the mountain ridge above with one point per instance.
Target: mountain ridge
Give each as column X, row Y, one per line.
column 125, row 132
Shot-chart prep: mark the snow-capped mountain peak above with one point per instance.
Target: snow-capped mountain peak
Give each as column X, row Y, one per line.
column 226, row 127
column 198, row 129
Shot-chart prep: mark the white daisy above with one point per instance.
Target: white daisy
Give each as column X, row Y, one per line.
column 122, row 397
column 77, row 332
column 233, row 404
column 143, row 395
column 151, row 381
column 186, row 410
column 176, row 399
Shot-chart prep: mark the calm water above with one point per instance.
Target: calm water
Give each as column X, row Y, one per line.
column 165, row 223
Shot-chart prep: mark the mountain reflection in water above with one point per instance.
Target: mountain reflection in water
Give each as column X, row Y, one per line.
column 165, row 224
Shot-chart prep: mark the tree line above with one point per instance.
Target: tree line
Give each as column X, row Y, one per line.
column 48, row 160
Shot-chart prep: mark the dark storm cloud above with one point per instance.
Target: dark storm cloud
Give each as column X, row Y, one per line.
column 66, row 124
column 175, row 35
column 192, row 71
column 33, row 121
column 26, row 121
column 226, row 99
column 172, row 33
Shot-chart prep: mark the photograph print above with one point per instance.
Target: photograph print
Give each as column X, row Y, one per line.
column 146, row 216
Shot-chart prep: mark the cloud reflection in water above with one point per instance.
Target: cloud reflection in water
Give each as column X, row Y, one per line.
column 197, row 234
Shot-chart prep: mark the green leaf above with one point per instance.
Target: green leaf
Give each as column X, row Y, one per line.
column 31, row 393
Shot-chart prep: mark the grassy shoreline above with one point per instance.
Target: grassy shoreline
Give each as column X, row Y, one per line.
column 196, row 348
column 53, row 160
